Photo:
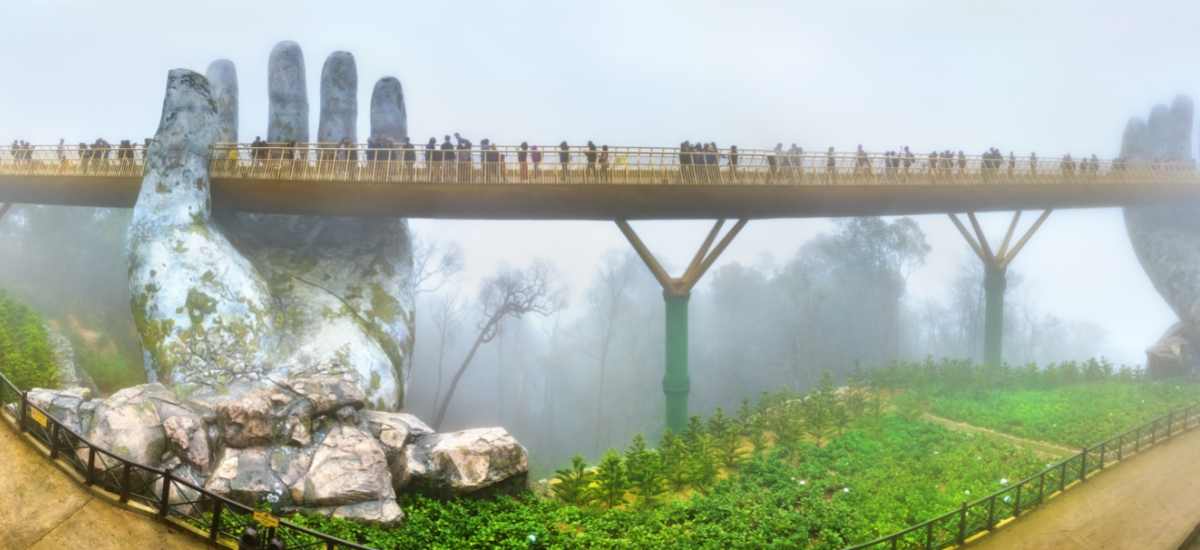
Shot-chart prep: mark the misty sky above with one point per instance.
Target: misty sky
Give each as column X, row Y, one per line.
column 1051, row 77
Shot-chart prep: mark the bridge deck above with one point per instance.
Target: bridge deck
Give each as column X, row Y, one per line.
column 628, row 183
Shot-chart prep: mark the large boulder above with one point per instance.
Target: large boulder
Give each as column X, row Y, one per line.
column 477, row 463
column 245, row 476
column 395, row 430
column 70, row 372
column 348, row 467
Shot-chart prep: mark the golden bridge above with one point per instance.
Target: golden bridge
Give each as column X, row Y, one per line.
column 622, row 183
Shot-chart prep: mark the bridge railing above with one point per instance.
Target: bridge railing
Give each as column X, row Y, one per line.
column 225, row 521
column 669, row 166
column 983, row 515
column 617, row 166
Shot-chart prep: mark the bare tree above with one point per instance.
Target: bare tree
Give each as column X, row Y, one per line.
column 511, row 292
column 436, row 264
column 449, row 312
column 608, row 299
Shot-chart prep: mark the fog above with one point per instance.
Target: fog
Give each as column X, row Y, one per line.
column 1020, row 75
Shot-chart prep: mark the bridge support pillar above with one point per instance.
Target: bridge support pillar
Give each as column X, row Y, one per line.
column 676, row 383
column 995, row 278
column 995, row 282
column 4, row 209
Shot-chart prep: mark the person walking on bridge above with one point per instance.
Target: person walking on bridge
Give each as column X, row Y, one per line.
column 962, row 165
column 795, row 163
column 564, row 160
column 831, row 167
column 535, row 157
column 909, row 159
column 863, row 164
column 465, row 164
column 448, row 161
column 410, row 157
column 591, row 161
column 1033, row 164
column 522, row 162
column 733, row 162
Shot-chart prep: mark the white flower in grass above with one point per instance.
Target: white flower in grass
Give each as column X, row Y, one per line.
column 979, row 458
column 802, row 482
column 1006, row 499
column 532, row 538
column 935, row 452
column 846, row 490
column 968, row 491
column 1004, row 481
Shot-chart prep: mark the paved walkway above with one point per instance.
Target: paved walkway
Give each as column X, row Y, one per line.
column 43, row 509
column 1150, row 502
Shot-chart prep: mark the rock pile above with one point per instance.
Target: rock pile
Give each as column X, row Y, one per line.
column 303, row 445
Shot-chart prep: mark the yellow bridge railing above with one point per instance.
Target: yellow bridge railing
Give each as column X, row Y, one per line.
column 615, row 166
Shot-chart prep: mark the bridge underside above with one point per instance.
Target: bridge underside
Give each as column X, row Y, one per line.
column 516, row 201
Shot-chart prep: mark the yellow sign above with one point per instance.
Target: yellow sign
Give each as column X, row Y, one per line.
column 266, row 519
column 38, row 416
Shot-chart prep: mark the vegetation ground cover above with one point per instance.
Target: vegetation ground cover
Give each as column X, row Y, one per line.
column 756, row 480
column 1070, row 404
column 25, row 355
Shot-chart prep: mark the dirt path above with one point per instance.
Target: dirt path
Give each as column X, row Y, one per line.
column 1042, row 448
column 43, row 509
column 1150, row 502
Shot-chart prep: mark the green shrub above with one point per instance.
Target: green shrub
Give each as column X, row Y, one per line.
column 25, row 355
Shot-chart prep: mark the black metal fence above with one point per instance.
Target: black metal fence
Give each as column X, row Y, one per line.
column 224, row 520
column 954, row 528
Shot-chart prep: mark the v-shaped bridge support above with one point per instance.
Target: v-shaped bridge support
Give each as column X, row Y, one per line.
column 676, row 291
column 995, row 279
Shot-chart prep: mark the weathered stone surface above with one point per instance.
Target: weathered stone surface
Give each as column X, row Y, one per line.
column 245, row 475
column 475, row 462
column 344, row 285
column 201, row 309
column 265, row 417
column 326, row 394
column 340, row 288
column 187, row 439
column 339, row 99
column 61, row 404
column 388, row 115
column 385, row 513
column 348, row 467
column 1166, row 239
column 222, row 77
column 287, row 89
column 395, row 430
column 129, row 423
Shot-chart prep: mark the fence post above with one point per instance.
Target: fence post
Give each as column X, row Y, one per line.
column 1137, row 439
column 1102, row 447
column 929, row 536
column 1153, row 431
column 1121, row 446
column 962, row 524
column 1083, row 465
column 91, row 473
column 54, row 442
column 1062, row 478
column 126, row 483
column 1017, row 502
column 164, row 505
column 22, row 411
column 215, row 527
column 1170, row 418
column 1041, row 486
column 991, row 522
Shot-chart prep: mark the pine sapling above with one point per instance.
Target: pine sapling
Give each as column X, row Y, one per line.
column 572, row 487
column 611, row 481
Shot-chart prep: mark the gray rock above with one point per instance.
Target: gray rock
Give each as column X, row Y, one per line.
column 129, row 423
column 395, row 430
column 348, row 467
column 63, row 405
column 288, row 91
column 222, row 77
column 326, row 394
column 477, row 463
column 201, row 309
column 187, row 439
column 1135, row 141
column 245, row 476
column 384, row 513
column 263, row 418
column 1171, row 355
column 339, row 99
column 388, row 115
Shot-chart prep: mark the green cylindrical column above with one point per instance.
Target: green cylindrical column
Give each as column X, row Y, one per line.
column 995, row 282
column 676, row 383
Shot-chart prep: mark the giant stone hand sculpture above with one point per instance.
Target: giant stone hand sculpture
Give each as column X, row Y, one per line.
column 229, row 304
